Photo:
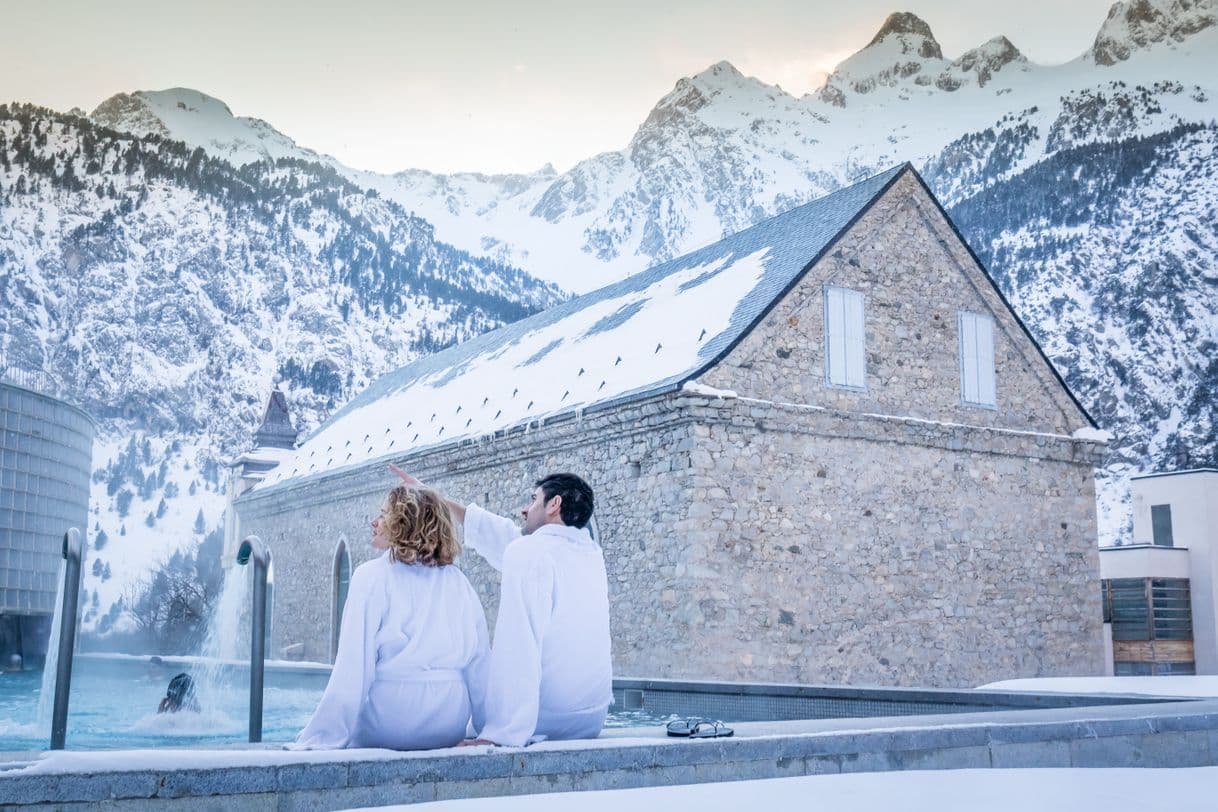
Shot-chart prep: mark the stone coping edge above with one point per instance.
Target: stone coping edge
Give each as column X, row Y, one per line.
column 1175, row 735
column 943, row 696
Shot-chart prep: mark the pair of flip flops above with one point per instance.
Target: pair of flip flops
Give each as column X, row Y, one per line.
column 696, row 728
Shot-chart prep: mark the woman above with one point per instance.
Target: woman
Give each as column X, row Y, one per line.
column 412, row 649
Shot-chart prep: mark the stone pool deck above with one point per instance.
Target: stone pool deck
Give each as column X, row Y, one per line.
column 1170, row 734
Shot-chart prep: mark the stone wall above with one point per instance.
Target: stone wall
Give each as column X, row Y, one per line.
column 915, row 276
column 825, row 547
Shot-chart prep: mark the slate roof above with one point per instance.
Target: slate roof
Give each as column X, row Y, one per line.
column 604, row 336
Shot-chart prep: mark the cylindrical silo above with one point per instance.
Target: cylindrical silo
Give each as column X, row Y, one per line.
column 46, row 452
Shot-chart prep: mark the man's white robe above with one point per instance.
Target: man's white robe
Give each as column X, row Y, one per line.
column 411, row 664
column 550, row 673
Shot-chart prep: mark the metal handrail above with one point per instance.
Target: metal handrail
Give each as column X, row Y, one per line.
column 72, row 552
column 252, row 547
column 36, row 380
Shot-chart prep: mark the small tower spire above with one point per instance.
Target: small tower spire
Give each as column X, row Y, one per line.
column 276, row 430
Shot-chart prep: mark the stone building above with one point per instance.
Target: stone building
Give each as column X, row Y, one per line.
column 824, row 450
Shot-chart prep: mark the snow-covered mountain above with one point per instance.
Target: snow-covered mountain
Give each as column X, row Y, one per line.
column 722, row 150
column 199, row 120
column 1089, row 189
column 164, row 290
column 1138, row 25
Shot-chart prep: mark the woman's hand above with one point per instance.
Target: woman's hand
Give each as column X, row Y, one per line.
column 456, row 508
column 405, row 477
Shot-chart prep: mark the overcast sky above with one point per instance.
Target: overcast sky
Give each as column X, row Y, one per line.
column 488, row 86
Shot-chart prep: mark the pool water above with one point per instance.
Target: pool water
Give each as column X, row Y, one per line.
column 113, row 705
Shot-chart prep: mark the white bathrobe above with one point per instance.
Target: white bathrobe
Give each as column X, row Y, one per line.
column 550, row 674
column 411, row 665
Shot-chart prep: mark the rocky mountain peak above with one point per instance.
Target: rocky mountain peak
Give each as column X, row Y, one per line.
column 1133, row 25
column 721, row 85
column 981, row 63
column 904, row 49
column 717, row 73
column 129, row 113
column 910, row 29
column 199, row 120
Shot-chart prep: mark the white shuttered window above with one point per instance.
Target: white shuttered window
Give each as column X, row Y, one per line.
column 845, row 361
column 977, row 359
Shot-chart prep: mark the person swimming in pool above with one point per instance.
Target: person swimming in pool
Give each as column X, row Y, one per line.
column 179, row 696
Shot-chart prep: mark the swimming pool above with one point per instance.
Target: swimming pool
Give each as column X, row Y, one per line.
column 114, row 700
column 113, row 705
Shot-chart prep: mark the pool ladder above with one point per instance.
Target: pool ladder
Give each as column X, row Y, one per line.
column 252, row 549
column 72, row 552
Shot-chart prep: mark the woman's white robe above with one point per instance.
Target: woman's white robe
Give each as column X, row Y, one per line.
column 411, row 665
column 550, row 673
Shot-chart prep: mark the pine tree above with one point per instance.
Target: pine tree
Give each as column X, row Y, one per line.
column 123, row 501
column 200, row 523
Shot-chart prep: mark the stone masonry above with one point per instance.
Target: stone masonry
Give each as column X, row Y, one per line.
column 789, row 531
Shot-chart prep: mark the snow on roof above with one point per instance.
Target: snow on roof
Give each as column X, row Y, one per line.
column 643, row 335
column 265, row 454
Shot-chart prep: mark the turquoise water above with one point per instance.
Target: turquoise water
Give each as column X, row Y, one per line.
column 113, row 705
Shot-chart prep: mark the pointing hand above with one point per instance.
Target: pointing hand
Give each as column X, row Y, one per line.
column 405, row 477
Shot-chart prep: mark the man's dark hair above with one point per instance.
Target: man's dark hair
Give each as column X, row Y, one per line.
column 576, row 508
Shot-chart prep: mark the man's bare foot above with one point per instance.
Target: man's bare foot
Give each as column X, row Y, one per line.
column 473, row 742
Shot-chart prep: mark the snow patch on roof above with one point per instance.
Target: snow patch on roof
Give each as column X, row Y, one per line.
column 577, row 366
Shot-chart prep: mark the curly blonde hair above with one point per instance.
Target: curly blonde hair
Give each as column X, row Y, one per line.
column 419, row 528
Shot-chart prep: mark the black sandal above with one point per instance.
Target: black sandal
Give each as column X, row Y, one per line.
column 706, row 729
column 684, row 727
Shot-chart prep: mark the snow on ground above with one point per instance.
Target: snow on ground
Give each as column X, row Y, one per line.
column 1043, row 790
column 1149, row 686
column 137, row 539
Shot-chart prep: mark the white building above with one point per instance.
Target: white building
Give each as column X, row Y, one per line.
column 1161, row 592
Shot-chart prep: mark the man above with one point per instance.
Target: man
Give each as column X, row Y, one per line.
column 550, row 674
